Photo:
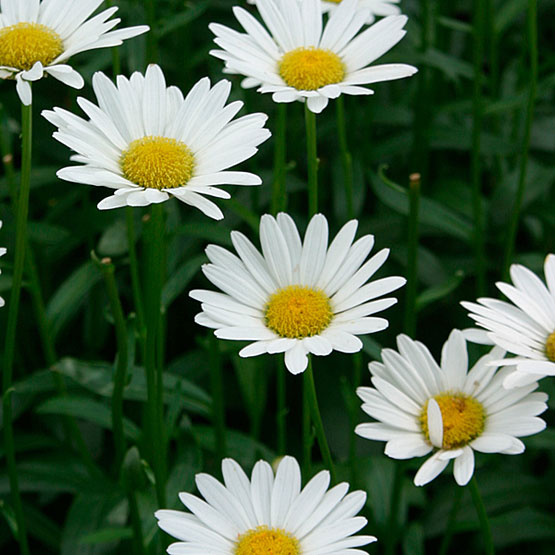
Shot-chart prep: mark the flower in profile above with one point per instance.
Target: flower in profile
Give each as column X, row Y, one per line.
column 37, row 37
column 296, row 58
column 524, row 327
column 446, row 410
column 297, row 297
column 2, row 253
column 148, row 143
column 266, row 514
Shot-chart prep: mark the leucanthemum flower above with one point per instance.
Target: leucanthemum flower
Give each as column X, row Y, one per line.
column 446, row 410
column 295, row 58
column 36, row 38
column 148, row 143
column 524, row 327
column 2, row 253
column 297, row 297
column 267, row 514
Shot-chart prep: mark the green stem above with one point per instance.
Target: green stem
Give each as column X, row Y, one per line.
column 138, row 538
column 306, row 432
column 476, row 169
column 218, row 404
column 412, row 255
column 533, row 79
column 116, row 62
column 281, row 413
column 279, row 191
column 393, row 520
column 13, row 312
column 354, row 409
column 134, row 269
column 155, row 248
column 482, row 516
column 317, row 419
column 151, row 38
column 452, row 520
column 312, row 160
column 346, row 158
column 107, row 268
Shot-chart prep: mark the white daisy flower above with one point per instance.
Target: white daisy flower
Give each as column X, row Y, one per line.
column 446, row 410
column 297, row 297
column 524, row 327
column 148, row 143
column 36, row 38
column 267, row 514
column 2, row 253
column 296, row 58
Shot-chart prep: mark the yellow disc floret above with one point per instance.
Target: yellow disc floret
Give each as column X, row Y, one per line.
column 308, row 69
column 297, row 311
column 463, row 419
column 158, row 163
column 550, row 347
column 334, row 1
column 267, row 541
column 24, row 44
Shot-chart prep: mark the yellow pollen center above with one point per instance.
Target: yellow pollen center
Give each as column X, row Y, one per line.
column 24, row 44
column 308, row 69
column 334, row 1
column 550, row 347
column 298, row 312
column 158, row 163
column 463, row 419
column 267, row 541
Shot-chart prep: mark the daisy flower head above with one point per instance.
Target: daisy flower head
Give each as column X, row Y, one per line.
column 525, row 326
column 38, row 37
column 2, row 253
column 297, row 296
column 148, row 143
column 421, row 407
column 266, row 514
column 296, row 57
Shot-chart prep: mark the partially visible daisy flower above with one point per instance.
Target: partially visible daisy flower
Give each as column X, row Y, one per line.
column 2, row 253
column 295, row 58
column 297, row 297
column 148, row 143
column 37, row 37
column 267, row 514
column 378, row 8
column 524, row 327
column 446, row 410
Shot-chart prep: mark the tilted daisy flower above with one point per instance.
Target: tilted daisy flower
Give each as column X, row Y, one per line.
column 446, row 410
column 36, row 38
column 295, row 58
column 525, row 326
column 148, row 143
column 297, row 297
column 2, row 253
column 267, row 514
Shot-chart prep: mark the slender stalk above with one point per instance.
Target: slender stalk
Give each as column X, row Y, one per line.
column 218, row 407
column 482, row 516
column 312, row 160
column 107, row 268
column 138, row 538
column 134, row 269
column 533, row 79
column 452, row 520
column 353, row 415
column 317, row 419
column 412, row 255
column 346, row 158
column 306, row 432
column 476, row 167
column 151, row 38
column 279, row 192
column 281, row 413
column 13, row 312
column 393, row 520
column 116, row 62
column 155, row 247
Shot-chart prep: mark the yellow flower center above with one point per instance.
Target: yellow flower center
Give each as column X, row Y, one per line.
column 550, row 347
column 309, row 68
column 298, row 312
column 24, row 44
column 463, row 419
column 158, row 163
column 334, row 1
column 267, row 541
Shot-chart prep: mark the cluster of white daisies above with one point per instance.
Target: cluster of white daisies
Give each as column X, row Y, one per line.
column 297, row 296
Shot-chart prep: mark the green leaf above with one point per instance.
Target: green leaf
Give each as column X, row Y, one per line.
column 181, row 19
column 106, row 535
column 452, row 67
column 180, row 279
column 113, row 242
column 440, row 291
column 207, row 231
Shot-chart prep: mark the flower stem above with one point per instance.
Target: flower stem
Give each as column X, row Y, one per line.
column 13, row 311
column 281, row 413
column 151, row 38
column 451, row 521
column 412, row 255
column 533, row 79
column 107, row 268
column 482, row 516
column 317, row 419
column 312, row 160
column 393, row 520
column 279, row 192
column 346, row 158
column 306, row 432
column 218, row 409
column 134, row 269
